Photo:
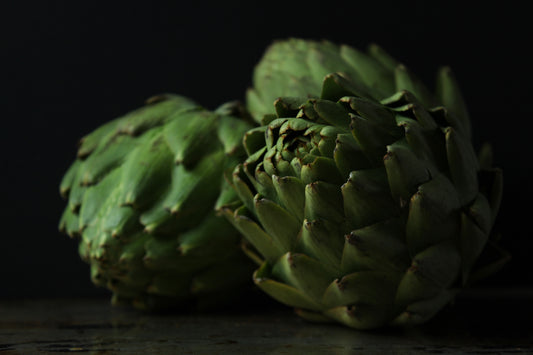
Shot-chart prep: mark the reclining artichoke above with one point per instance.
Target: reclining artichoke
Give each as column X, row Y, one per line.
column 363, row 202
column 141, row 196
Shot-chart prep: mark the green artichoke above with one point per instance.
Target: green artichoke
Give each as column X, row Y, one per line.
column 141, row 195
column 363, row 208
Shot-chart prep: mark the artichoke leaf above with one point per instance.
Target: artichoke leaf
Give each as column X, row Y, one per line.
column 463, row 165
column 282, row 292
column 69, row 223
column 291, row 193
column 450, row 96
column 322, row 240
column 278, row 223
column 333, row 113
column 106, row 158
column 373, row 73
column 433, row 214
column 406, row 80
column 94, row 139
column 432, row 272
column 405, row 171
column 323, row 201
column 254, row 234
column 100, row 197
column 380, row 247
column 382, row 57
column 421, row 311
column 191, row 135
column 366, row 198
column 304, row 273
column 158, row 111
column 146, row 171
column 348, row 155
column 70, row 178
column 230, row 132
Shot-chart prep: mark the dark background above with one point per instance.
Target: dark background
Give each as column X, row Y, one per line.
column 70, row 66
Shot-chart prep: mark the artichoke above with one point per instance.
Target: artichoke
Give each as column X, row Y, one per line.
column 364, row 202
column 141, row 196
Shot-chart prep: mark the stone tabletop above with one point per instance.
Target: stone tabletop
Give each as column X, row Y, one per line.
column 480, row 322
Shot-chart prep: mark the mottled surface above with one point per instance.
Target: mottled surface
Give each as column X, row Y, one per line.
column 480, row 322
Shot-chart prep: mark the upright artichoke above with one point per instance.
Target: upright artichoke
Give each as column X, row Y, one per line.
column 361, row 208
column 141, row 195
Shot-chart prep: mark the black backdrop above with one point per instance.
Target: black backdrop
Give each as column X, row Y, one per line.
column 70, row 66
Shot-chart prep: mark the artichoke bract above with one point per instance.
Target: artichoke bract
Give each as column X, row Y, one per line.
column 141, row 197
column 364, row 208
